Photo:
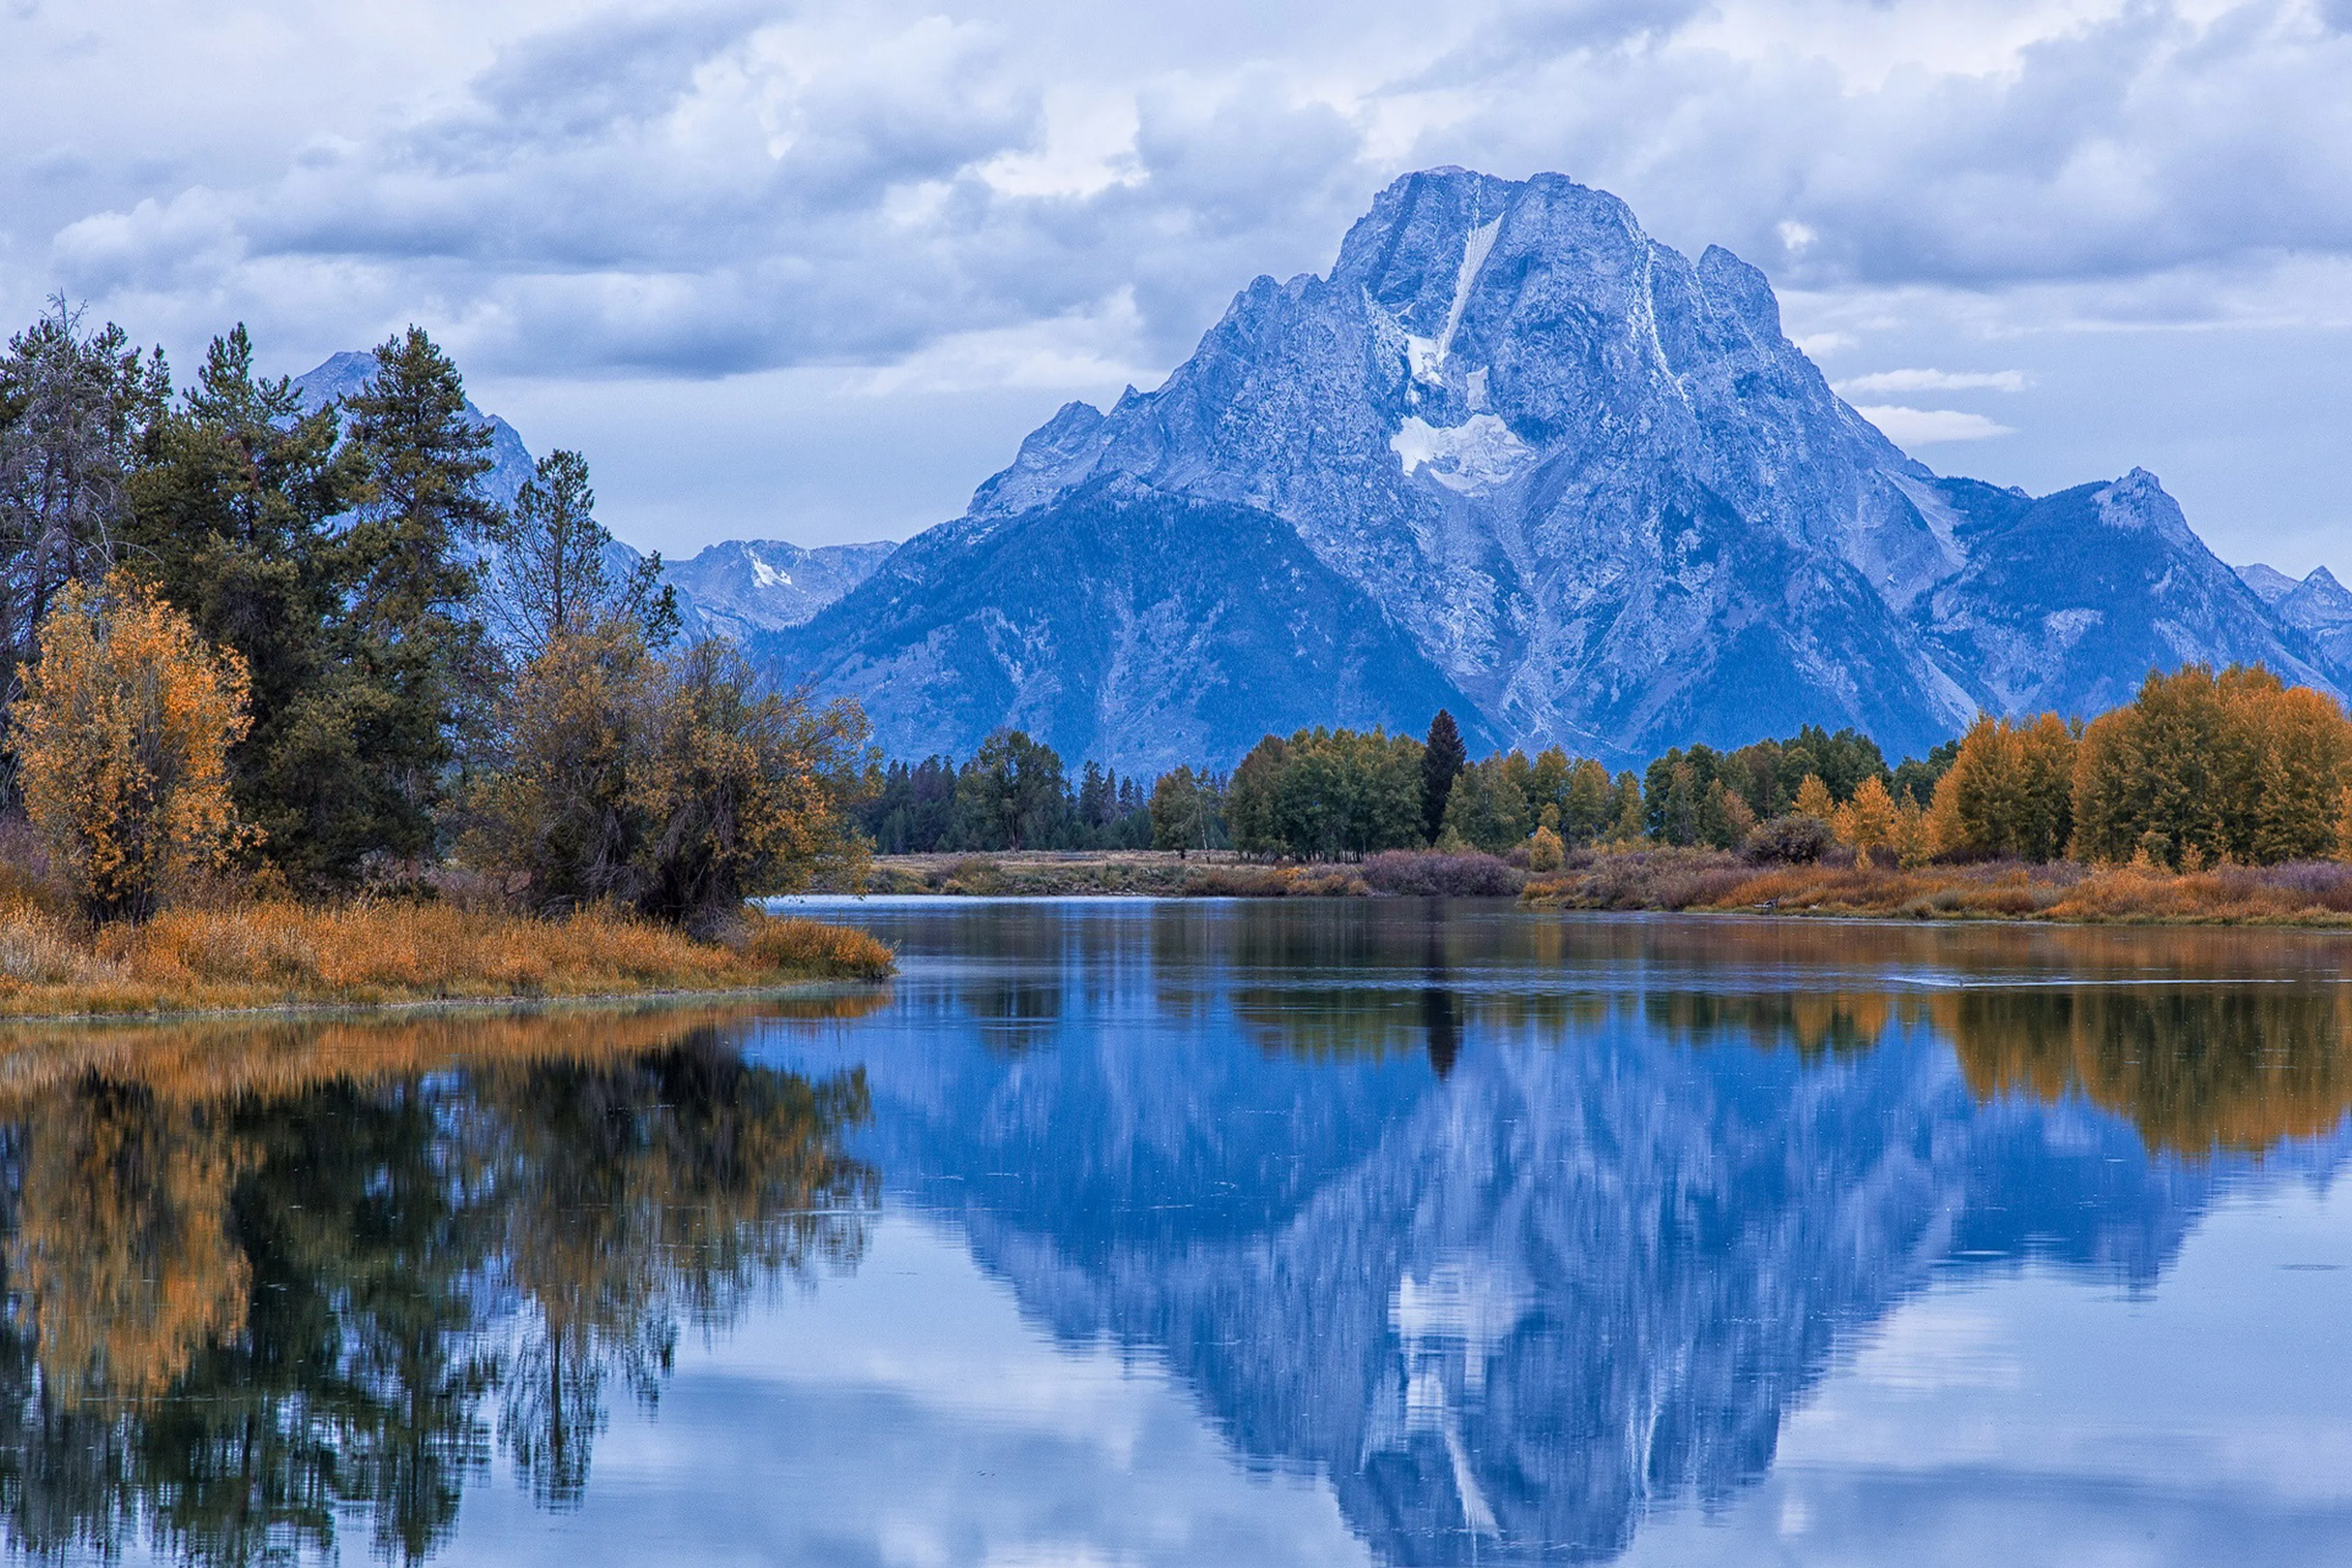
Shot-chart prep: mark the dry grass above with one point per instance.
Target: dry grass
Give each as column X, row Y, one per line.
column 277, row 953
column 814, row 947
column 2310, row 894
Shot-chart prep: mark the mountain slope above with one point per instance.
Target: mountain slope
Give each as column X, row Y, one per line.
column 1123, row 625
column 1605, row 497
column 743, row 587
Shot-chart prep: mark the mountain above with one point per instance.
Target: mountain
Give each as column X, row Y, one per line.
column 2270, row 584
column 728, row 590
column 1122, row 612
column 743, row 587
column 1588, row 480
column 2321, row 608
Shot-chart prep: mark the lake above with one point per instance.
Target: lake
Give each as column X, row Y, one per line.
column 1118, row 1232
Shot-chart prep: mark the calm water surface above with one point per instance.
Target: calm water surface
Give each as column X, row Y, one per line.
column 1219, row 1234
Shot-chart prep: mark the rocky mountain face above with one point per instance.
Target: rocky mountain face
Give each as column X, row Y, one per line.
column 742, row 586
column 2318, row 606
column 1587, row 479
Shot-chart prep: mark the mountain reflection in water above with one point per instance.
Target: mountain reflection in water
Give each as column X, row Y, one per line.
column 1515, row 1238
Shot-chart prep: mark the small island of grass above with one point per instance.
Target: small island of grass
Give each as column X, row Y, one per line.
column 279, row 953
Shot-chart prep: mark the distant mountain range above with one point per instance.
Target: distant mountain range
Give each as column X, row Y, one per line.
column 1513, row 458
column 733, row 589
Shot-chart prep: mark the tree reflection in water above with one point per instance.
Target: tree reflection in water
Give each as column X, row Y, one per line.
column 236, row 1318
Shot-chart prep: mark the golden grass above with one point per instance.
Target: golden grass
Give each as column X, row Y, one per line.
column 279, row 953
column 2306, row 895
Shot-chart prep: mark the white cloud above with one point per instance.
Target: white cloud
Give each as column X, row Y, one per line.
column 933, row 193
column 1908, row 427
column 1935, row 381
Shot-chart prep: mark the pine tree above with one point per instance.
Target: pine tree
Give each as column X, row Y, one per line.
column 1443, row 759
column 76, row 410
column 554, row 576
column 418, row 665
column 231, row 520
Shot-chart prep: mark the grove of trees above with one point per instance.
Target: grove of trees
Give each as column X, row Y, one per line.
column 303, row 646
column 2200, row 768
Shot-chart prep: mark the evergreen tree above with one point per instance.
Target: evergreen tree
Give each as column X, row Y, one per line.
column 554, row 576
column 1012, row 794
column 231, row 521
column 1591, row 804
column 1442, row 761
column 76, row 413
column 418, row 658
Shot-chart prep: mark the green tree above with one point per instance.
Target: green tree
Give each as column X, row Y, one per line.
column 1591, row 804
column 1489, row 808
column 231, row 520
column 553, row 575
column 1442, row 761
column 1012, row 794
column 418, row 657
column 76, row 412
column 1186, row 811
column 1251, row 814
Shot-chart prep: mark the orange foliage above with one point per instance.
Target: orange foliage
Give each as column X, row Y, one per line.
column 121, row 741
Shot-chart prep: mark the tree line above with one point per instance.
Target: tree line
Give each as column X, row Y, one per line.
column 2201, row 768
column 302, row 645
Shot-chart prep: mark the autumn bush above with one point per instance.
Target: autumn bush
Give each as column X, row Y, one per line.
column 675, row 786
column 1467, row 875
column 121, row 741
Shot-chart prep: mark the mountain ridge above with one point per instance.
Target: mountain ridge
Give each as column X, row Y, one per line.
column 1600, row 493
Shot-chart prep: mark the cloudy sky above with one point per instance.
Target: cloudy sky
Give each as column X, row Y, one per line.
column 811, row 270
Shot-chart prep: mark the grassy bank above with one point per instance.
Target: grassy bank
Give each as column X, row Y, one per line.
column 1162, row 874
column 2309, row 893
column 2302, row 894
column 273, row 954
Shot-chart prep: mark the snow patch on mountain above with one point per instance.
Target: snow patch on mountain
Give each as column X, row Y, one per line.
column 1470, row 457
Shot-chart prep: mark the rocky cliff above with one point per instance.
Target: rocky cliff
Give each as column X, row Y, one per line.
column 1586, row 480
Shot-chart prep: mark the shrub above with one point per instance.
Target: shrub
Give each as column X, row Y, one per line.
column 1417, row 874
column 122, row 743
column 1793, row 840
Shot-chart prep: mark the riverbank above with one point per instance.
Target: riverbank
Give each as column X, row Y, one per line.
column 2309, row 893
column 280, row 954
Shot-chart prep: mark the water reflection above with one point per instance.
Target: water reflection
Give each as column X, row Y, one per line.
column 1521, row 1232
column 1501, row 1238
column 333, row 1289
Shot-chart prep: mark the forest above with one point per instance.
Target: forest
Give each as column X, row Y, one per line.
column 256, row 649
column 2202, row 769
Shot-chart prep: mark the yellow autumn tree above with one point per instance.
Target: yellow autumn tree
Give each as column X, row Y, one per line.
column 2344, row 826
column 1813, row 799
column 2203, row 767
column 2009, row 792
column 1870, row 820
column 122, row 742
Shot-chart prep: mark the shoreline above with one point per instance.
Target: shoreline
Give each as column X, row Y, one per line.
column 812, row 988
column 2306, row 896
